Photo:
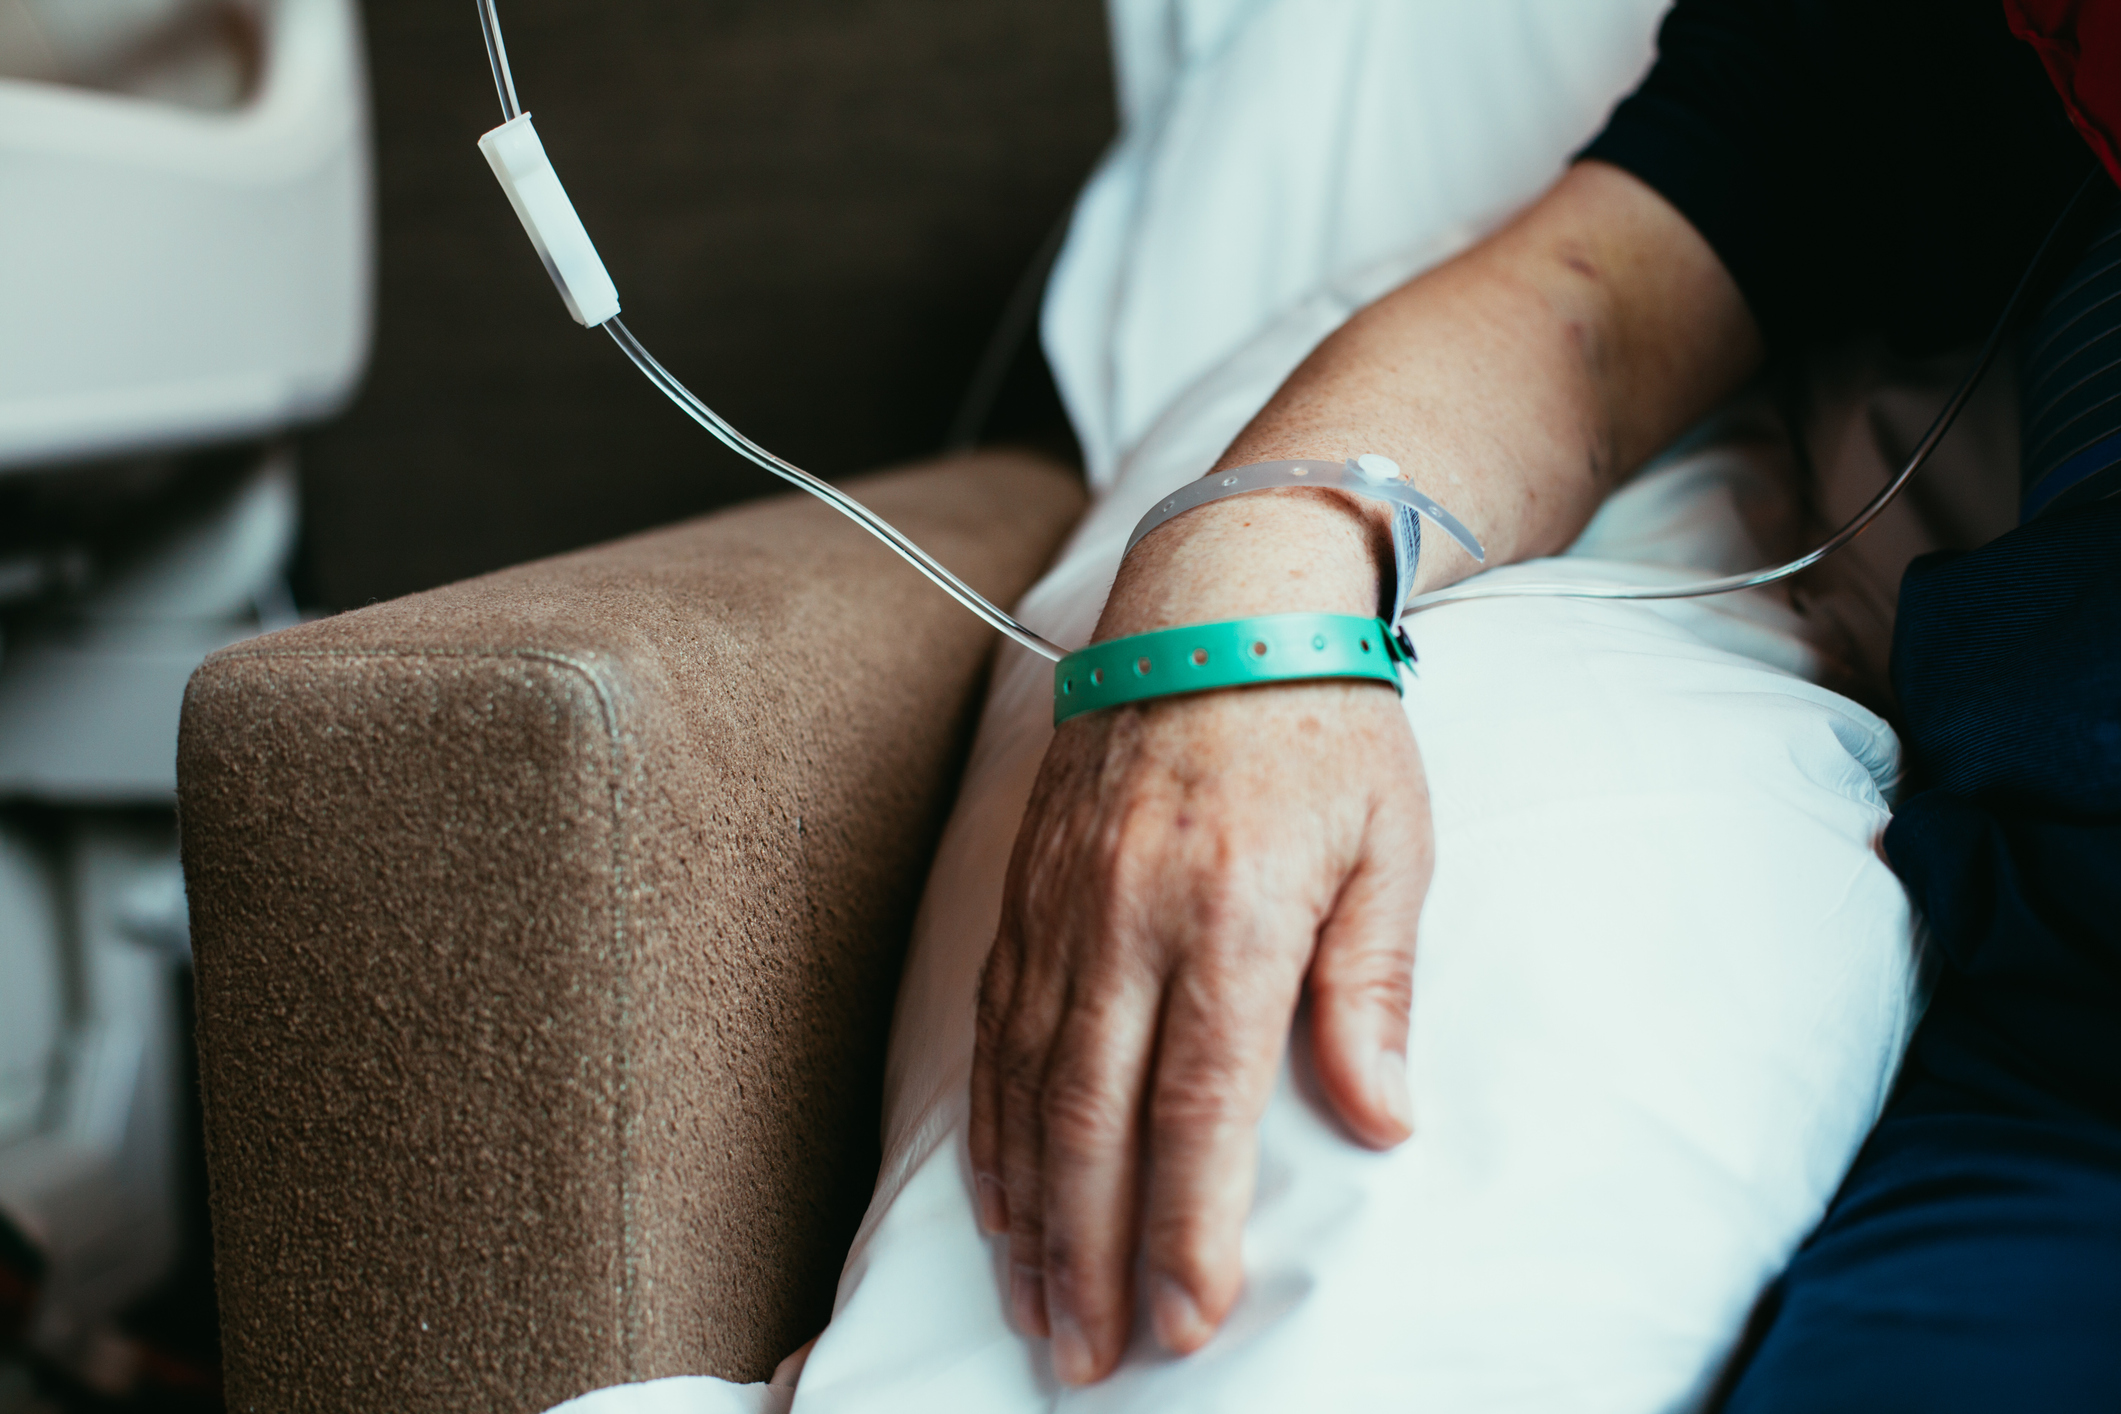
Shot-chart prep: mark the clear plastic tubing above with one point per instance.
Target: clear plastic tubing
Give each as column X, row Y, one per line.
column 728, row 436
column 972, row 599
column 1753, row 579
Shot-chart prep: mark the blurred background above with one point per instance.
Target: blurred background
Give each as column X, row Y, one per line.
column 273, row 345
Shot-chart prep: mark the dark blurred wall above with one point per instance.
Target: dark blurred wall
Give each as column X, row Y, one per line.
column 814, row 211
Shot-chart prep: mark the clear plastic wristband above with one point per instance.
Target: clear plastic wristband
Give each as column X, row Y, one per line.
column 1370, row 475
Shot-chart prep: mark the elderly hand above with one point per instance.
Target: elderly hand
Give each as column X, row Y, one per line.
column 1188, row 865
column 1186, row 868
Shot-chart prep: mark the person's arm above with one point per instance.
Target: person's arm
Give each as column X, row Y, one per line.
column 1188, row 866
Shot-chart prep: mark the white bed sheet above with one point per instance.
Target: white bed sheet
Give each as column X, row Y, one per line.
column 1663, row 983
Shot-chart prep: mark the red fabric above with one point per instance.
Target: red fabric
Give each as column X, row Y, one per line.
column 2080, row 43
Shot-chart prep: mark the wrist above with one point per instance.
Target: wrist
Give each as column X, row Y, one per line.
column 1274, row 552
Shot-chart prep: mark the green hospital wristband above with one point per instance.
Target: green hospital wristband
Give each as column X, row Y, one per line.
column 1235, row 653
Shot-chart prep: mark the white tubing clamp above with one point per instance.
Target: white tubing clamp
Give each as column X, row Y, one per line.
column 534, row 190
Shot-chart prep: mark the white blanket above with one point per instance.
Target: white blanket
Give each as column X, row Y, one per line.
column 1663, row 977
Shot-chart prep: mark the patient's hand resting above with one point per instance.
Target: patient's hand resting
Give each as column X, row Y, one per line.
column 1188, row 865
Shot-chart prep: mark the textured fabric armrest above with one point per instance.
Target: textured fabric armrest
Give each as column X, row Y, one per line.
column 547, row 930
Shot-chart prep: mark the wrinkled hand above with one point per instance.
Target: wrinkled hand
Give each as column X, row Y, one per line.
column 1185, row 869
column 1187, row 866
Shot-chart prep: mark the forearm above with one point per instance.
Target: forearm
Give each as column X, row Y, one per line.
column 1516, row 384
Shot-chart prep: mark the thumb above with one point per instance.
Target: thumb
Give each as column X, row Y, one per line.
column 1362, row 993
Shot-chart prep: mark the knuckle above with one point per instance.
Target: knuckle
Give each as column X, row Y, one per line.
column 1222, row 877
column 1027, row 1241
column 1234, row 1000
column 1200, row 1097
column 1026, row 1213
column 1076, row 1282
column 1022, row 1075
column 1067, row 1271
column 1221, row 914
column 994, row 978
column 1082, row 1116
column 1380, row 984
column 987, row 1030
column 1181, row 1245
column 1228, row 974
column 991, row 1017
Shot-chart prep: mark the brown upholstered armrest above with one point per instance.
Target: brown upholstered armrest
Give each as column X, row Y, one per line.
column 547, row 928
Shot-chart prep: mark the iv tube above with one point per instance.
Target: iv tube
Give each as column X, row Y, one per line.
column 1752, row 579
column 824, row 490
column 722, row 431
column 728, row 436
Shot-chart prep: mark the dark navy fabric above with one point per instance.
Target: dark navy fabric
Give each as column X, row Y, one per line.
column 1972, row 1260
column 1859, row 166
column 2070, row 379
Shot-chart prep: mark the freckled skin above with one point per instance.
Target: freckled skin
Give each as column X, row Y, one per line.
column 1189, row 867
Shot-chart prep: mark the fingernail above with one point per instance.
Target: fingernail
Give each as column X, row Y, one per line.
column 1073, row 1360
column 1392, row 1088
column 1027, row 1295
column 1179, row 1327
column 993, row 1204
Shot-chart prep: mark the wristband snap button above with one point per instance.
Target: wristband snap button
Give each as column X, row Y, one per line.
column 1375, row 468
